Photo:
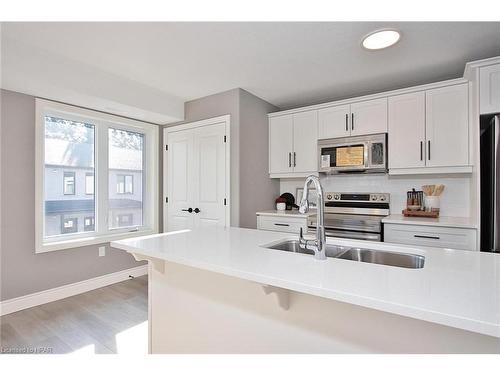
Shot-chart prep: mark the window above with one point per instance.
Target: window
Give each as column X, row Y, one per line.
column 124, row 220
column 69, row 177
column 124, row 184
column 69, row 225
column 108, row 168
column 89, row 183
column 88, row 223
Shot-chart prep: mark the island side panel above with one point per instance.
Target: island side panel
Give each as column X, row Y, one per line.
column 196, row 311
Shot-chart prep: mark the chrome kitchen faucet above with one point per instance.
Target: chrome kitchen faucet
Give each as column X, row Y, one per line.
column 318, row 246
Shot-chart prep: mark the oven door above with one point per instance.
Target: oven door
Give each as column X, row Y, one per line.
column 362, row 227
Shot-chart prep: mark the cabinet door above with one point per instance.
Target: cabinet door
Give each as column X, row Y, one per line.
column 280, row 144
column 369, row 117
column 489, row 89
column 333, row 122
column 407, row 130
column 447, row 126
column 305, row 142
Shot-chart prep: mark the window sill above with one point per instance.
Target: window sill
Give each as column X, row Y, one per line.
column 80, row 242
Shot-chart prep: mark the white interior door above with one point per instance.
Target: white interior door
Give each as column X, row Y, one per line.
column 180, row 180
column 197, row 176
column 209, row 176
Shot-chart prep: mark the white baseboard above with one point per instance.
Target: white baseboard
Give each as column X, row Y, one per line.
column 50, row 295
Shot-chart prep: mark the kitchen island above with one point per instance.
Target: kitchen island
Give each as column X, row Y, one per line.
column 219, row 290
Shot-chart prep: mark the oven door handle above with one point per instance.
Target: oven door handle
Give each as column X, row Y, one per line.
column 354, row 170
column 353, row 235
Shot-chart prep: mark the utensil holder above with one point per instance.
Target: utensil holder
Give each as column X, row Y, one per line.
column 431, row 203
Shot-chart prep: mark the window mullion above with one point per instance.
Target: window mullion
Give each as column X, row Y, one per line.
column 101, row 187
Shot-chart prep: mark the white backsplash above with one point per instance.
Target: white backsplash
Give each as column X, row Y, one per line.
column 454, row 200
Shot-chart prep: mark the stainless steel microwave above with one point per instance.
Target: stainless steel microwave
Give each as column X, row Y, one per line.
column 360, row 154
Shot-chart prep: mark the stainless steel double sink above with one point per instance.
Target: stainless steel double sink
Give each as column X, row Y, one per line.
column 386, row 258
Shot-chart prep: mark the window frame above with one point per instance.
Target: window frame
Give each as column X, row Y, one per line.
column 87, row 174
column 102, row 122
column 124, row 175
column 64, row 182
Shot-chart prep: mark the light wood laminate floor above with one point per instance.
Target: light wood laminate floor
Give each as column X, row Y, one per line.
column 112, row 319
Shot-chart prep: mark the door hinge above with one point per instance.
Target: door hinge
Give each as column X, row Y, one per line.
column 166, row 199
column 166, row 147
column 225, row 202
column 224, row 139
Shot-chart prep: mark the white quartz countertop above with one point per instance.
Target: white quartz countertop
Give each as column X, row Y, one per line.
column 443, row 221
column 285, row 213
column 455, row 288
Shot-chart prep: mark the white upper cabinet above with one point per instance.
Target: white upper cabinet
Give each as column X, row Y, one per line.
column 280, row 144
column 369, row 117
column 305, row 142
column 407, row 130
column 489, row 89
column 334, row 122
column 447, row 126
column 293, row 143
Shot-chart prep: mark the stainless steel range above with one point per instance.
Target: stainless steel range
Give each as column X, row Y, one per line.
column 357, row 216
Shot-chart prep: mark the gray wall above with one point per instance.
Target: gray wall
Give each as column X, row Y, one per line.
column 251, row 188
column 257, row 191
column 22, row 271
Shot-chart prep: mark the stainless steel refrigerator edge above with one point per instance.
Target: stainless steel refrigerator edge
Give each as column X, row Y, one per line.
column 490, row 183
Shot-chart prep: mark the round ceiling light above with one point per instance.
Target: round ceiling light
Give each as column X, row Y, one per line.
column 381, row 39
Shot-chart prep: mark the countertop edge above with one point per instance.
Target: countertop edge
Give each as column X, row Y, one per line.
column 454, row 321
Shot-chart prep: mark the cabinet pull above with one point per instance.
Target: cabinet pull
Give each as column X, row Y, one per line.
column 421, row 150
column 429, row 149
column 294, row 159
column 352, row 121
column 289, row 160
column 429, row 237
column 346, row 122
column 281, row 225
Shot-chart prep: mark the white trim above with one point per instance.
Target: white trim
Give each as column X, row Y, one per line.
column 466, row 169
column 102, row 122
column 50, row 295
column 478, row 64
column 226, row 119
column 451, row 82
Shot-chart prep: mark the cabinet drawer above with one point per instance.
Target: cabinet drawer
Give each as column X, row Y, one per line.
column 421, row 235
column 281, row 224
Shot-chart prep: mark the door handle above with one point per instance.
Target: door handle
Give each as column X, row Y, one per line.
column 196, row 210
column 346, row 122
column 294, row 159
column 352, row 121
column 187, row 209
column 429, row 237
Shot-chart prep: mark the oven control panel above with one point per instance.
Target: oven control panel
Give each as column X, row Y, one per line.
column 358, row 197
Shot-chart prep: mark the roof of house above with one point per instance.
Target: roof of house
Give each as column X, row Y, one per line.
column 72, row 154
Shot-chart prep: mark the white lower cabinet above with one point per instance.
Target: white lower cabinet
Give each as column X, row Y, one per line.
column 433, row 236
column 282, row 223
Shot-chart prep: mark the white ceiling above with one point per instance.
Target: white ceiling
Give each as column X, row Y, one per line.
column 287, row 64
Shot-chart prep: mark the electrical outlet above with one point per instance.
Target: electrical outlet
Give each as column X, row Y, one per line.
column 102, row 251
